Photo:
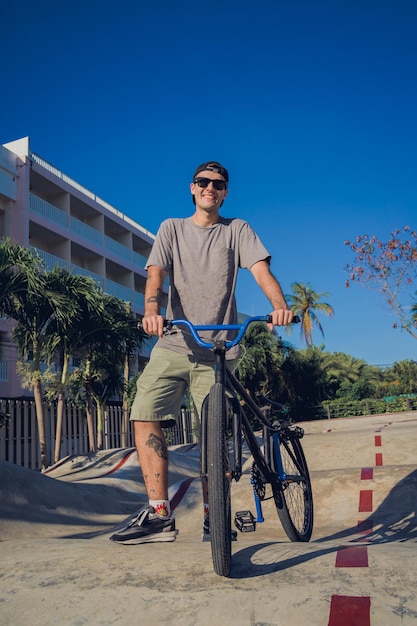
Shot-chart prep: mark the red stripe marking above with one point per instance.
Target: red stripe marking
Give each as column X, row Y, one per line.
column 352, row 556
column 119, row 464
column 365, row 526
column 378, row 459
column 365, row 501
column 378, row 441
column 180, row 493
column 349, row 610
column 367, row 473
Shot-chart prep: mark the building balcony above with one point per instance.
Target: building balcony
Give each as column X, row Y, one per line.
column 93, row 236
column 109, row 286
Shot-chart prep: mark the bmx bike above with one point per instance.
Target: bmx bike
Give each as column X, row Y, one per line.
column 278, row 457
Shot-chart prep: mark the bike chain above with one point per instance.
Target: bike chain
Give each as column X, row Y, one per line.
column 257, row 482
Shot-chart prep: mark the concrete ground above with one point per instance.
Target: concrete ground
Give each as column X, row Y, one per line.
column 57, row 565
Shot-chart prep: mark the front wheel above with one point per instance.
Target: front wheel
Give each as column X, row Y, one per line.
column 293, row 496
column 219, row 476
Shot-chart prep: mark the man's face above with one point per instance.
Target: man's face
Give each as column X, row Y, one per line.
column 208, row 198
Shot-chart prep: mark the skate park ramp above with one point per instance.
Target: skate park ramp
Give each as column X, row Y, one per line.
column 360, row 568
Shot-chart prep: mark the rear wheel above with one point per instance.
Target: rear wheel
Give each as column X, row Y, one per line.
column 293, row 497
column 219, row 477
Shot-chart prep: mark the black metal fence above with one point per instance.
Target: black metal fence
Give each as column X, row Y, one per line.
column 19, row 438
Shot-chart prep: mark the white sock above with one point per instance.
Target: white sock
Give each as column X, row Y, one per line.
column 162, row 507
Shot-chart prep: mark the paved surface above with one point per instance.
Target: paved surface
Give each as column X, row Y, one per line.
column 58, row 567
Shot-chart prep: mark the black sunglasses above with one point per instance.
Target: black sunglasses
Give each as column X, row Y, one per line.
column 219, row 185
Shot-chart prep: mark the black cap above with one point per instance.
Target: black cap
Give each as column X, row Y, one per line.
column 212, row 166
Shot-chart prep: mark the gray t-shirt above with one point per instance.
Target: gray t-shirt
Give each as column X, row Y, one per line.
column 203, row 263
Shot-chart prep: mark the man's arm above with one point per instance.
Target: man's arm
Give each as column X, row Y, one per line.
column 281, row 314
column 152, row 321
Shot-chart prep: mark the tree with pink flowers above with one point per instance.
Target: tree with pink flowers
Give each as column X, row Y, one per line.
column 391, row 268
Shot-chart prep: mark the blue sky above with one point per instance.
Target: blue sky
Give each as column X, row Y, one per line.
column 310, row 105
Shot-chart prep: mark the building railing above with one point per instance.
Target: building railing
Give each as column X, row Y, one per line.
column 83, row 272
column 50, row 260
column 3, row 372
column 48, row 211
column 50, row 168
column 117, row 248
column 139, row 259
column 87, row 232
column 118, row 290
column 139, row 299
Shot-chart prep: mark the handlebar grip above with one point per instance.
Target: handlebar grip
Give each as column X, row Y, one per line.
column 295, row 319
column 167, row 324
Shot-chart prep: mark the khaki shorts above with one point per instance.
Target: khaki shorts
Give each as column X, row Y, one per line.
column 164, row 381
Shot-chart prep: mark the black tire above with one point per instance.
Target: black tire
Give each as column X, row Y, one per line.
column 294, row 497
column 219, row 481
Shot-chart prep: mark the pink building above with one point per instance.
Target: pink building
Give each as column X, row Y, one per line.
column 69, row 226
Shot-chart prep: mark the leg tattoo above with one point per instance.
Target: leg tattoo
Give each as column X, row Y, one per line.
column 159, row 446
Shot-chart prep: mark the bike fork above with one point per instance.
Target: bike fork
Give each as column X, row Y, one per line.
column 258, row 505
column 278, row 459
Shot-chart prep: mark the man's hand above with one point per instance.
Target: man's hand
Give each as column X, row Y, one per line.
column 280, row 317
column 153, row 324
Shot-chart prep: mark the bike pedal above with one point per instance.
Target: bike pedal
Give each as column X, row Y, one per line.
column 245, row 522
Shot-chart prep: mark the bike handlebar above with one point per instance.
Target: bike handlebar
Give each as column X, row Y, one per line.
column 241, row 328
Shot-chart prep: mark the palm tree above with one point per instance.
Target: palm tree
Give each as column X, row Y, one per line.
column 109, row 338
column 303, row 381
column 340, row 369
column 259, row 365
column 406, row 373
column 84, row 298
column 33, row 311
column 305, row 302
column 19, row 271
column 109, row 360
column 25, row 298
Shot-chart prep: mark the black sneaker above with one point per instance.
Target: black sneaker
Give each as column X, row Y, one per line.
column 206, row 529
column 206, row 536
column 147, row 527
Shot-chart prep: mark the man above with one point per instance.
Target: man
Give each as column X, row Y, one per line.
column 202, row 255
